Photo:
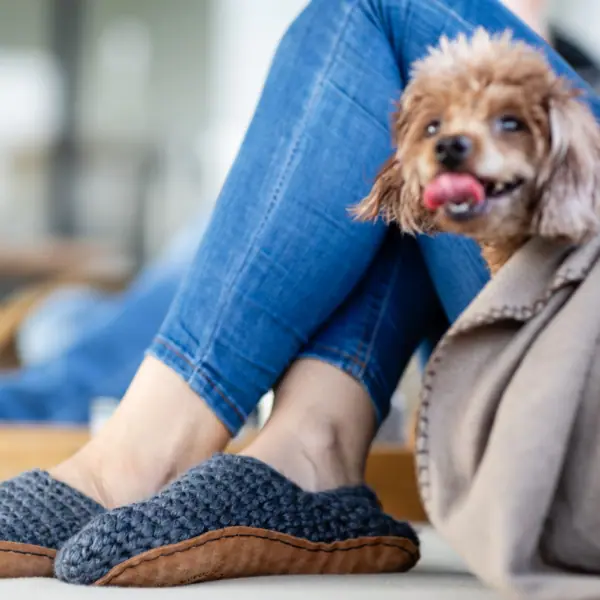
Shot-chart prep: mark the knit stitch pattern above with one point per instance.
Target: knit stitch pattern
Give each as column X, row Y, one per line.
column 225, row 491
column 37, row 509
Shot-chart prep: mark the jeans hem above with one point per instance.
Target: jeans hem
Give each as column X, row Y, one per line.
column 358, row 370
column 221, row 404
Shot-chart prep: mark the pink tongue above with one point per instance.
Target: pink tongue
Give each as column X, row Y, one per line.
column 453, row 188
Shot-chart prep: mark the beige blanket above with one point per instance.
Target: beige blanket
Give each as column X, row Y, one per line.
column 509, row 431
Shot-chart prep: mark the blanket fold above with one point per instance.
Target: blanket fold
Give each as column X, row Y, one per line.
column 508, row 441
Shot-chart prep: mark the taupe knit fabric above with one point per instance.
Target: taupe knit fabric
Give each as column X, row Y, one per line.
column 509, row 434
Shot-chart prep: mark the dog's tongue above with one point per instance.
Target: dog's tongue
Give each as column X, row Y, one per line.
column 453, row 188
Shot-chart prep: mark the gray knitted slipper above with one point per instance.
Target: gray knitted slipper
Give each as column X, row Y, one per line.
column 37, row 515
column 234, row 516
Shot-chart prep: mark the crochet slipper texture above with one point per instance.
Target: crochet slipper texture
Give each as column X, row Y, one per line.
column 235, row 516
column 37, row 515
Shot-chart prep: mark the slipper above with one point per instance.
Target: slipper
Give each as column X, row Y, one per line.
column 234, row 516
column 37, row 515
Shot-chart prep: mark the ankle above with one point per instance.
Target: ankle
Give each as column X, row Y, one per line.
column 314, row 456
column 115, row 472
column 160, row 430
column 321, row 428
column 334, row 463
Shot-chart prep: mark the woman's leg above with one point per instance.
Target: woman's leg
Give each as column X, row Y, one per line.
column 328, row 408
column 101, row 362
column 280, row 260
column 275, row 272
column 281, row 254
column 108, row 346
column 331, row 402
column 297, row 254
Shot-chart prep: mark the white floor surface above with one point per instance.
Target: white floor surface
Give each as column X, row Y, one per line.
column 439, row 576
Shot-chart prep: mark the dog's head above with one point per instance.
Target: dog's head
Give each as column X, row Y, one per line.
column 492, row 144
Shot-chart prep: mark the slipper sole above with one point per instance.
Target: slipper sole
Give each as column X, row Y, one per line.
column 236, row 552
column 234, row 516
column 25, row 560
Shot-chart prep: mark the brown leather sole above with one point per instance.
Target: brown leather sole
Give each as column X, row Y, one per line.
column 25, row 560
column 248, row 552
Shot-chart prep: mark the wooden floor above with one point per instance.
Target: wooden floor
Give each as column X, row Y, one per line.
column 390, row 469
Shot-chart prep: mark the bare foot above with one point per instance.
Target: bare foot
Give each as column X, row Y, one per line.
column 318, row 436
column 159, row 431
column 321, row 428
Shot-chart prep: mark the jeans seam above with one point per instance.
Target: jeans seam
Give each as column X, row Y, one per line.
column 451, row 13
column 380, row 313
column 359, row 106
column 366, row 370
column 446, row 11
column 298, row 134
column 196, row 370
column 202, row 373
column 381, row 22
column 347, row 355
column 176, row 351
column 403, row 37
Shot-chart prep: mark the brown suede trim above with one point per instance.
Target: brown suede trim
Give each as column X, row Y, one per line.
column 25, row 560
column 247, row 552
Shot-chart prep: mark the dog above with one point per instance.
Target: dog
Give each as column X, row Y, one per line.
column 492, row 144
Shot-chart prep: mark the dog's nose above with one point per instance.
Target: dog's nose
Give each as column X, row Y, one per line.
column 452, row 151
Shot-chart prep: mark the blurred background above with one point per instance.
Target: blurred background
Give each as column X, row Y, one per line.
column 120, row 117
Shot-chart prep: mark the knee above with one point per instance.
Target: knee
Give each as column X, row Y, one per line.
column 371, row 6
column 385, row 8
column 378, row 10
column 390, row 15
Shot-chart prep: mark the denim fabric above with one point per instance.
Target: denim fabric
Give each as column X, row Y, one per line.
column 98, row 356
column 283, row 270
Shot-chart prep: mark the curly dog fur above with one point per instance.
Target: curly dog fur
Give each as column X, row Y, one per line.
column 534, row 148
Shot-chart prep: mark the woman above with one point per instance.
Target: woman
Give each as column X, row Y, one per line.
column 285, row 291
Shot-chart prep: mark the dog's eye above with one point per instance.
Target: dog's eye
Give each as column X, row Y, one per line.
column 510, row 124
column 433, row 128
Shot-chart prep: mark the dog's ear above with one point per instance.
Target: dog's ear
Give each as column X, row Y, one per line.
column 570, row 180
column 384, row 194
column 394, row 196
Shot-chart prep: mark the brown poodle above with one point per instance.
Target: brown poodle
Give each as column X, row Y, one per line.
column 491, row 144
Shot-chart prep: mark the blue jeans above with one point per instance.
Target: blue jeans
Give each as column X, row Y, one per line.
column 282, row 271
column 99, row 341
